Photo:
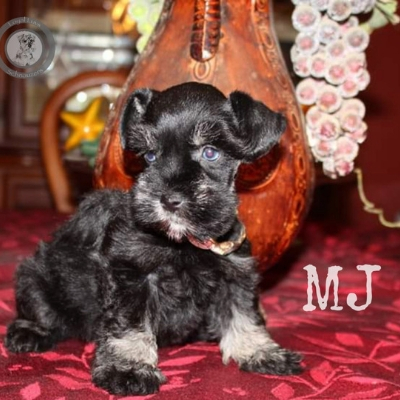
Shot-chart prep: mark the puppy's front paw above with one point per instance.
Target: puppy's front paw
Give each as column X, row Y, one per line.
column 24, row 336
column 277, row 361
column 139, row 379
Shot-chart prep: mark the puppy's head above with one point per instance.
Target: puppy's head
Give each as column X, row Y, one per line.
column 26, row 40
column 192, row 139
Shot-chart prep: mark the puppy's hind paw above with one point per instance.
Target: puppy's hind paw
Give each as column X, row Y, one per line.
column 25, row 336
column 277, row 361
column 138, row 380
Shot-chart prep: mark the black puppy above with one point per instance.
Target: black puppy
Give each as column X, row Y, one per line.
column 163, row 263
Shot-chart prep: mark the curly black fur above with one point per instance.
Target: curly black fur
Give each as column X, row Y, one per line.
column 121, row 271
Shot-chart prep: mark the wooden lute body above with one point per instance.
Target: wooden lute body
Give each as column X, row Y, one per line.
column 230, row 44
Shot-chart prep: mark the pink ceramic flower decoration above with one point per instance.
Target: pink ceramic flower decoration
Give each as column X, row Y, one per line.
column 329, row 54
column 328, row 128
column 347, row 149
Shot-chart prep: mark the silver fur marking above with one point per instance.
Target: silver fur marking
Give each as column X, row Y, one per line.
column 243, row 339
column 137, row 346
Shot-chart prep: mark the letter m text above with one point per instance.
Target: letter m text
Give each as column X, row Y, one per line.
column 312, row 279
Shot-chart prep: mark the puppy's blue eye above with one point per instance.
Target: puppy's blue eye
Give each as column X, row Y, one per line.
column 210, row 154
column 150, row 157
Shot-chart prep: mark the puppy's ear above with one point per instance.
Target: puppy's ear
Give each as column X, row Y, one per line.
column 133, row 112
column 259, row 127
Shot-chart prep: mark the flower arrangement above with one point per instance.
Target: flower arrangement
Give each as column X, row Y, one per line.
column 329, row 56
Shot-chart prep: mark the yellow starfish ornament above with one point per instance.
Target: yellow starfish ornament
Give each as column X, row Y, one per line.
column 85, row 126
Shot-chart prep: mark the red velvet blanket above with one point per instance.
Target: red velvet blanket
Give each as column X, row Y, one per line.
column 348, row 354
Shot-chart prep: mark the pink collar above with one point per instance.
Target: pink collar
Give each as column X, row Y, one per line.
column 223, row 248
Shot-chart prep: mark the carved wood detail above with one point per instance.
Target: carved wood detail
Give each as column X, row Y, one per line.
column 205, row 30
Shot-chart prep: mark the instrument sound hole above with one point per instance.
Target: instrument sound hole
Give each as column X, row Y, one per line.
column 259, row 173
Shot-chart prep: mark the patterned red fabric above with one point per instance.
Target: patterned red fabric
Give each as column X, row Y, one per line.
column 347, row 354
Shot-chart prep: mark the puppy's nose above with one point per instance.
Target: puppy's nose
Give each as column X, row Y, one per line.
column 172, row 202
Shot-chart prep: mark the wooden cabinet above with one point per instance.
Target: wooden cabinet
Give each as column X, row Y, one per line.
column 22, row 183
